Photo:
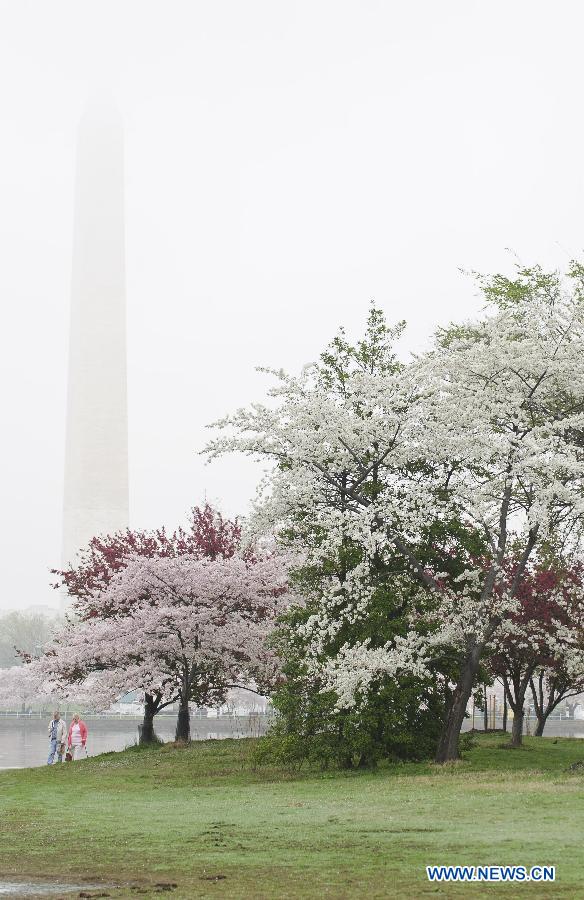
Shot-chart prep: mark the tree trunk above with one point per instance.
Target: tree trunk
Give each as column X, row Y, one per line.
column 183, row 722
column 147, row 727
column 448, row 745
column 504, row 711
column 541, row 720
column 517, row 731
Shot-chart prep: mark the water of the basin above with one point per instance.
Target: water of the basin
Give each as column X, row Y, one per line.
column 24, row 741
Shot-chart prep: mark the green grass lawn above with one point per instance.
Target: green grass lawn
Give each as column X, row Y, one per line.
column 205, row 818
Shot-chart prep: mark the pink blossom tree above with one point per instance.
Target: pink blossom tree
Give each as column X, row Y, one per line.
column 178, row 628
column 208, row 535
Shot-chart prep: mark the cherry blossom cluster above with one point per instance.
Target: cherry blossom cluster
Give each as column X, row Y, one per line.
column 24, row 685
column 175, row 627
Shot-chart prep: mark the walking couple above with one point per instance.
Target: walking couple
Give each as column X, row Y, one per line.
column 75, row 739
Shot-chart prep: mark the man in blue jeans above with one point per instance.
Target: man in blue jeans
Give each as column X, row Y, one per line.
column 57, row 738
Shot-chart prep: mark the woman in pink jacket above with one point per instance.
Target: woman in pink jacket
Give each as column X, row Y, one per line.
column 77, row 737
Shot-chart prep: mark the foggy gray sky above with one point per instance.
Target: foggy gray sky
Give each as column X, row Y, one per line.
column 285, row 163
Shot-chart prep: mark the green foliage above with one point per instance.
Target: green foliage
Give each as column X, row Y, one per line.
column 398, row 719
column 390, row 725
column 374, row 353
column 511, row 293
column 467, row 742
column 530, row 282
column 23, row 632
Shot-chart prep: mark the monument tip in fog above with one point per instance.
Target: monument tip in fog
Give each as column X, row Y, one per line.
column 96, row 454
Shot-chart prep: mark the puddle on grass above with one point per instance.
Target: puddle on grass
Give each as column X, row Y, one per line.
column 39, row 889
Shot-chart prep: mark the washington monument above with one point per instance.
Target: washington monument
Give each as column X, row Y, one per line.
column 96, row 451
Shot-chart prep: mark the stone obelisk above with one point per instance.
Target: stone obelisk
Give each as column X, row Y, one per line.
column 96, row 454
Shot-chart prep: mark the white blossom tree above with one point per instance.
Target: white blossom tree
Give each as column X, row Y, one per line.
column 486, row 429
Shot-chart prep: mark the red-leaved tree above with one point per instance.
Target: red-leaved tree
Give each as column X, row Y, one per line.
column 542, row 642
column 208, row 535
